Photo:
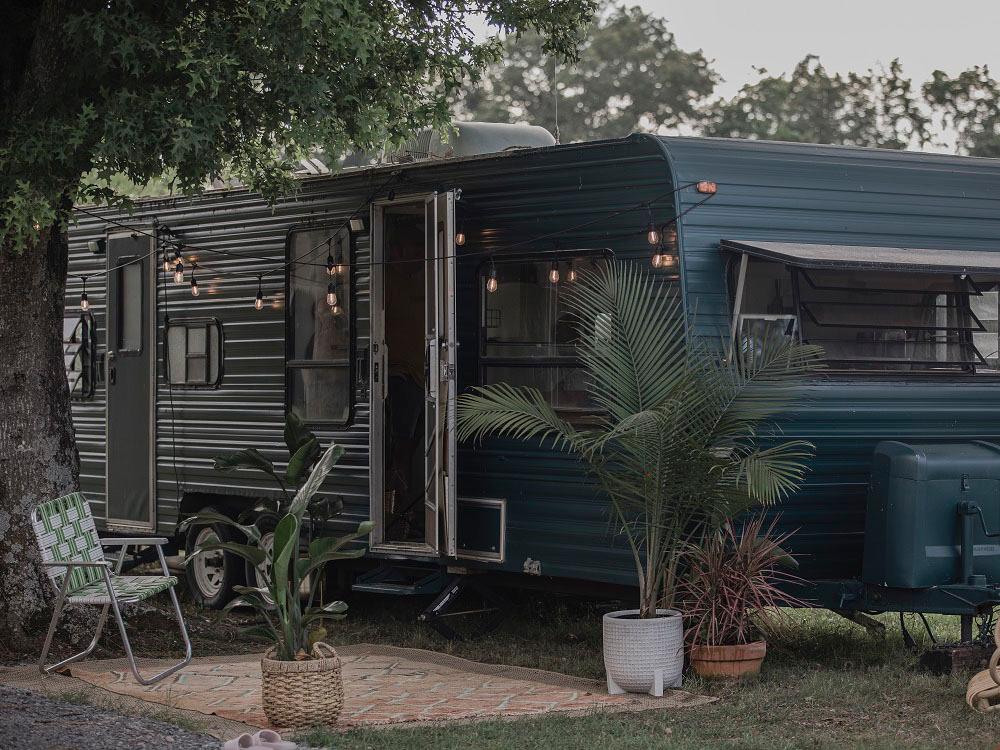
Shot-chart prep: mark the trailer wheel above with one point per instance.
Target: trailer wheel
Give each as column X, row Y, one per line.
column 267, row 523
column 211, row 576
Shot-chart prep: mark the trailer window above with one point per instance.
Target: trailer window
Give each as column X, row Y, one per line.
column 80, row 355
column 527, row 336
column 193, row 352
column 319, row 379
column 874, row 321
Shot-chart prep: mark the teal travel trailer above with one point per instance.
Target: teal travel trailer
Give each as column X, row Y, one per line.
column 363, row 303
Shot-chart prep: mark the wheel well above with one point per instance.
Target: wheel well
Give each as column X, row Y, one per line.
column 231, row 505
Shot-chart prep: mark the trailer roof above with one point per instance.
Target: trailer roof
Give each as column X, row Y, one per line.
column 868, row 257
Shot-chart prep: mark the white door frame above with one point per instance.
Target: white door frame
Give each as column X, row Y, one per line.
column 440, row 390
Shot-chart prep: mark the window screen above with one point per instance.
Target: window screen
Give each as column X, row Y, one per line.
column 194, row 352
column 130, row 307
column 527, row 334
column 319, row 374
column 875, row 320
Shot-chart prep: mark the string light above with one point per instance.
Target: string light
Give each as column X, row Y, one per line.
column 652, row 234
column 84, row 302
column 331, row 295
column 491, row 283
column 258, row 303
column 662, row 237
column 670, row 236
column 340, row 268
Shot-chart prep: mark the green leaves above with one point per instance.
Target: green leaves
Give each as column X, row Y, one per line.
column 205, row 89
column 247, row 458
column 625, row 49
column 315, row 480
column 684, row 439
column 286, row 618
column 301, row 460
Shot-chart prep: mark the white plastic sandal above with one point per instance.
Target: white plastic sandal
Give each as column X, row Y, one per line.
column 243, row 742
column 272, row 741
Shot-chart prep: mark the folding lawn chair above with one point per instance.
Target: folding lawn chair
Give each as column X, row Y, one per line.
column 73, row 556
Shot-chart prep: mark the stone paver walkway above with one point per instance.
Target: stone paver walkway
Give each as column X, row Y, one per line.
column 384, row 686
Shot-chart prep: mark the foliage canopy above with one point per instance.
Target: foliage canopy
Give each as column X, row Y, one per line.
column 631, row 75
column 242, row 87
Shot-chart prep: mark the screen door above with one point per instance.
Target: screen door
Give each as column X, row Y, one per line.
column 131, row 359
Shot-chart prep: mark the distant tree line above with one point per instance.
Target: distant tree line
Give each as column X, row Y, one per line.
column 632, row 76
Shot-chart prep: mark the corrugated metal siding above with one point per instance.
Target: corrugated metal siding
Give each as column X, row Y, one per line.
column 823, row 194
column 553, row 516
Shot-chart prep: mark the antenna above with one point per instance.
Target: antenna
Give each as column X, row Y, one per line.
column 555, row 91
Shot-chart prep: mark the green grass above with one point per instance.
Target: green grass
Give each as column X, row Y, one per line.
column 826, row 684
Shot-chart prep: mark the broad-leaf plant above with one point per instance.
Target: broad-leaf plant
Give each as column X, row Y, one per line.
column 295, row 623
column 683, row 436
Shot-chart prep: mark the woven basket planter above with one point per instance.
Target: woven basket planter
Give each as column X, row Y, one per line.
column 299, row 694
column 728, row 661
column 643, row 655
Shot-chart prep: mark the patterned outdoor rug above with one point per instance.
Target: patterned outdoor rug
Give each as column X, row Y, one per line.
column 383, row 686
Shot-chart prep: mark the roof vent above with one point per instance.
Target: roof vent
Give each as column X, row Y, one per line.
column 467, row 139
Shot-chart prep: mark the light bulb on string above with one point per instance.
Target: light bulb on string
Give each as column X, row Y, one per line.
column 336, row 310
column 179, row 272
column 194, row 282
column 331, row 267
column 167, row 263
column 340, row 269
column 571, row 273
column 670, row 235
column 653, row 235
column 460, row 236
column 84, row 302
column 331, row 295
column 491, row 283
column 658, row 256
column 258, row 303
column 554, row 272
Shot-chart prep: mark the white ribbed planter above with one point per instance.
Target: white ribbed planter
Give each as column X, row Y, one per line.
column 643, row 655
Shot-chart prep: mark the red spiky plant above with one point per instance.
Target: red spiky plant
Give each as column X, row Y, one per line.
column 732, row 591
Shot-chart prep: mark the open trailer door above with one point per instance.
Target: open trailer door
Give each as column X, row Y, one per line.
column 413, row 376
column 442, row 350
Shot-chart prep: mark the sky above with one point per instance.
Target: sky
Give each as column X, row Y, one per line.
column 847, row 34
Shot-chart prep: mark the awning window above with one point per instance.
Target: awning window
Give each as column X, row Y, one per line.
column 871, row 309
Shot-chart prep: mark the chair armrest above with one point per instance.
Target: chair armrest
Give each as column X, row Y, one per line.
column 76, row 564
column 141, row 541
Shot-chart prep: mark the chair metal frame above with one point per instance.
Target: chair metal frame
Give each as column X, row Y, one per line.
column 112, row 604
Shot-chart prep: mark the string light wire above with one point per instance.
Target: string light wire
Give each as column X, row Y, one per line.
column 299, row 260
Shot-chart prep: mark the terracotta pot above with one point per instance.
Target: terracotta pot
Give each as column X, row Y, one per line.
column 728, row 661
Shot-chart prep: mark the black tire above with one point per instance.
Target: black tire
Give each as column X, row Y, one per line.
column 213, row 588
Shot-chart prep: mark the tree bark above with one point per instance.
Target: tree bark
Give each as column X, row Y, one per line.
column 38, row 455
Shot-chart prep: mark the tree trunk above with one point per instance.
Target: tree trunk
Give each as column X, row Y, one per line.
column 38, row 456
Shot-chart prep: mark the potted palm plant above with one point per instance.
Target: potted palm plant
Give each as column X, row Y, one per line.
column 301, row 678
column 672, row 443
column 731, row 595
